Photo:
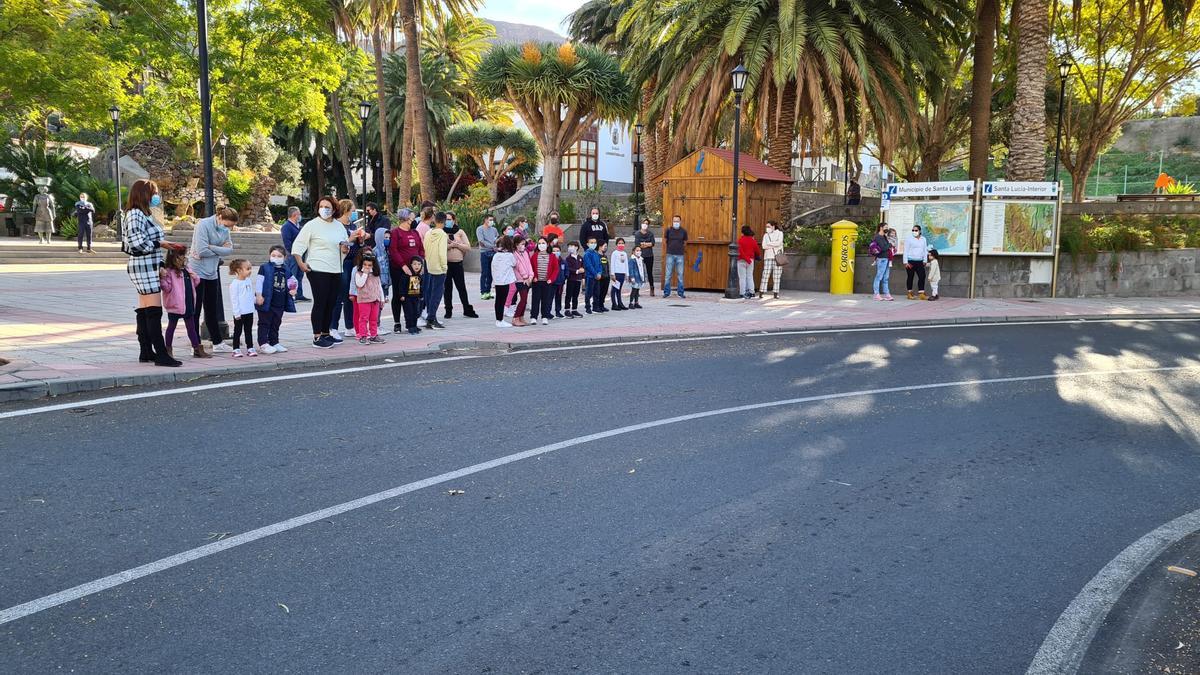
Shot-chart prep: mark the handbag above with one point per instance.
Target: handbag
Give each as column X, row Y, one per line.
column 781, row 259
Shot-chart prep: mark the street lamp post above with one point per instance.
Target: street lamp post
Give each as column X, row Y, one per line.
column 210, row 206
column 1064, row 69
column 638, row 166
column 115, row 113
column 224, row 141
column 738, row 80
column 364, row 111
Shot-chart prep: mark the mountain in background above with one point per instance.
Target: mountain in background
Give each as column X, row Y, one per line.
column 519, row 32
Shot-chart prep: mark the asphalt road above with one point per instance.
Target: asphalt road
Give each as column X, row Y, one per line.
column 933, row 530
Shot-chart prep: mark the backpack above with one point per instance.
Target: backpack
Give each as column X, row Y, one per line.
column 874, row 249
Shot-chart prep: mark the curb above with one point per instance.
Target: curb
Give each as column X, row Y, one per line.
column 36, row 389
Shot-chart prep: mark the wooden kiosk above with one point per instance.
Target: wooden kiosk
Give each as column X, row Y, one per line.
column 699, row 189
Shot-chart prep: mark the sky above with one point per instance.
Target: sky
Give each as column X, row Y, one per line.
column 545, row 13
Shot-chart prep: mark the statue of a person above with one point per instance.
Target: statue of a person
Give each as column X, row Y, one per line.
column 43, row 214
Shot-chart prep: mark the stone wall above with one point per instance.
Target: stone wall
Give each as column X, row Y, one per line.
column 1131, row 274
column 1106, row 208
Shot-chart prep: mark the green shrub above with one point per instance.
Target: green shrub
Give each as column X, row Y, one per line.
column 566, row 213
column 1119, row 238
column 68, row 227
column 814, row 240
column 237, row 188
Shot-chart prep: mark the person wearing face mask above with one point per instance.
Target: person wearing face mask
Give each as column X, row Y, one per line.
column 619, row 264
column 437, row 246
column 552, row 228
column 456, row 276
column 288, row 231
column 773, row 260
column 594, row 228
column 593, row 272
column 676, row 243
column 916, row 251
column 275, row 293
column 545, row 271
column 143, row 240
column 343, row 309
column 210, row 241
column 487, row 235
column 575, row 279
column 326, row 243
column 85, row 216
column 643, row 240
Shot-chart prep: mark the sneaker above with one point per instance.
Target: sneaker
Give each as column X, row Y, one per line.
column 470, row 314
column 303, row 299
column 422, row 323
column 545, row 321
column 397, row 328
column 336, row 337
column 665, row 295
column 414, row 331
column 588, row 310
column 434, row 324
column 558, row 315
column 267, row 349
column 448, row 315
column 376, row 340
column 934, row 297
column 503, row 324
column 878, row 296
column 237, row 353
column 279, row 349
column 250, row 352
column 682, row 296
column 888, row 298
column 363, row 341
column 324, row 342
column 222, row 349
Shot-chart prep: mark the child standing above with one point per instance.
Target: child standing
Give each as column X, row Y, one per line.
column 412, row 296
column 637, row 277
column 602, row 282
column 524, row 280
column 575, row 277
column 748, row 251
column 241, row 295
column 593, row 272
column 275, row 293
column 620, row 269
column 560, row 281
column 934, row 274
column 367, row 298
column 382, row 236
column 504, row 276
column 545, row 273
column 179, row 299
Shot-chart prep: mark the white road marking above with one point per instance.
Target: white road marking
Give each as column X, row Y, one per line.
column 541, row 350
column 1067, row 642
column 91, row 587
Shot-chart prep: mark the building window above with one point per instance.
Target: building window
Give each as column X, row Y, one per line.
column 579, row 169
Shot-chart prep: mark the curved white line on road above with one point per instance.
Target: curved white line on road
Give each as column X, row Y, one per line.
column 91, row 587
column 1067, row 642
column 543, row 350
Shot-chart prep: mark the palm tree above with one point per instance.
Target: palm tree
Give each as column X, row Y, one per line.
column 495, row 150
column 417, row 131
column 1027, row 139
column 987, row 20
column 560, row 92
column 383, row 13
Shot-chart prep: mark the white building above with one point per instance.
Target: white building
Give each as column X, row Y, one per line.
column 602, row 157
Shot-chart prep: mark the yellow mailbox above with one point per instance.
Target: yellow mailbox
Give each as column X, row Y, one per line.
column 841, row 268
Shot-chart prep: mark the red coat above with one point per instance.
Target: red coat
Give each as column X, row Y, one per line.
column 748, row 248
column 551, row 270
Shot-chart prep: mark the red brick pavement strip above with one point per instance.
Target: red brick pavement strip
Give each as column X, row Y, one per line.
column 82, row 340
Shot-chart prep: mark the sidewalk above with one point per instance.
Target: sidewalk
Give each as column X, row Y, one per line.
column 68, row 328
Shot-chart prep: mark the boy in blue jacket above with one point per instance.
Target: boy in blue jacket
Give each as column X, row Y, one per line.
column 275, row 294
column 593, row 273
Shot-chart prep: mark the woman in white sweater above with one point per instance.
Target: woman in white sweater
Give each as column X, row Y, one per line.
column 323, row 239
column 772, row 245
column 916, row 250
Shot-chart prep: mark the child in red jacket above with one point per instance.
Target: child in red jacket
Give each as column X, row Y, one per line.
column 748, row 251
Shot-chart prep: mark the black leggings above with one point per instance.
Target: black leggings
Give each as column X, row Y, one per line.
column 324, row 287
column 456, row 278
column 208, row 298
column 243, row 324
column 915, row 267
column 649, row 260
column 501, row 298
column 85, row 230
column 573, row 294
column 399, row 293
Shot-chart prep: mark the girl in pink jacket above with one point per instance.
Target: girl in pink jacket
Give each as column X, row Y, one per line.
column 179, row 284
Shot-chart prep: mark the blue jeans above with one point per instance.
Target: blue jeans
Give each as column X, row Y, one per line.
column 342, row 307
column 485, row 271
column 294, row 270
column 435, row 288
column 674, row 264
column 881, row 277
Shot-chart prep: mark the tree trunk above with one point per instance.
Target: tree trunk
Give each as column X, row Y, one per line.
column 381, row 114
column 335, row 109
column 1027, row 141
column 781, row 127
column 416, row 101
column 551, row 178
column 987, row 18
column 319, row 169
column 649, row 159
column 406, row 157
column 493, row 189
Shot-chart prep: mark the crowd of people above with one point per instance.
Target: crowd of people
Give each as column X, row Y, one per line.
column 920, row 263
column 354, row 265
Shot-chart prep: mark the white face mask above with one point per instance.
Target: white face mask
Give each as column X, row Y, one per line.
column 675, row 224
column 542, row 247
column 595, row 216
column 277, row 260
column 645, row 226
column 770, row 230
column 571, row 250
column 326, row 213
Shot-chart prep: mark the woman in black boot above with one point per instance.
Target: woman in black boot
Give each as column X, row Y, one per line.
column 143, row 240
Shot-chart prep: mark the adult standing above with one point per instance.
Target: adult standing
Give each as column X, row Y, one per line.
column 882, row 249
column 44, row 213
column 325, row 243
column 437, row 245
column 458, row 243
column 552, row 227
column 375, row 220
column 210, row 241
column 772, row 246
column 404, row 246
column 676, row 238
column 916, row 250
column 426, row 223
column 343, row 309
column 594, row 228
column 289, row 231
column 143, row 239
column 487, row 235
column 644, row 239
column 85, row 216
column 854, row 193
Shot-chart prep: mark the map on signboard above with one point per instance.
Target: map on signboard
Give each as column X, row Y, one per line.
column 1017, row 227
column 947, row 225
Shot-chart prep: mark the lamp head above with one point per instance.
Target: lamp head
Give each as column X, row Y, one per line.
column 739, row 77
